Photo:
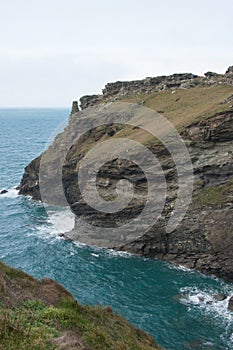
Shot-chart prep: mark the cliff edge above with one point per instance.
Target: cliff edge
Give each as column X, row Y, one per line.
column 201, row 109
column 41, row 314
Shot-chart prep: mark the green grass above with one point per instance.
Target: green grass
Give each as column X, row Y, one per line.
column 185, row 106
column 181, row 108
column 33, row 325
column 38, row 324
column 215, row 195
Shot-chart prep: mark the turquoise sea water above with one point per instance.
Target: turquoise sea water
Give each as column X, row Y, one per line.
column 144, row 291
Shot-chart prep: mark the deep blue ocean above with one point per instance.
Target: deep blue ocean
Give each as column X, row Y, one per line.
column 146, row 292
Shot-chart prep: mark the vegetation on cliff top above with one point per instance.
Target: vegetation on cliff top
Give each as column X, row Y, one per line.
column 182, row 107
column 43, row 315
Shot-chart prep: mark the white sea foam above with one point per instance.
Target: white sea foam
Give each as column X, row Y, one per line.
column 179, row 267
column 63, row 220
column 207, row 303
column 80, row 245
column 45, row 231
column 95, row 255
column 49, row 229
column 115, row 253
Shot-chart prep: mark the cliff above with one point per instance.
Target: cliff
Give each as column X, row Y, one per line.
column 121, row 89
column 200, row 108
column 43, row 315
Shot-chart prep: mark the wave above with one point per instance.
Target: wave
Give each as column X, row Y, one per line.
column 62, row 219
column 118, row 253
column 172, row 266
column 209, row 305
column 207, row 301
column 103, row 252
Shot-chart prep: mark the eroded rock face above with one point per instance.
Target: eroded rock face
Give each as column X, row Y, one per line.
column 75, row 108
column 204, row 239
column 30, row 182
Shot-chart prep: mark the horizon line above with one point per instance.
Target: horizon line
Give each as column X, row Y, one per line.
column 35, row 107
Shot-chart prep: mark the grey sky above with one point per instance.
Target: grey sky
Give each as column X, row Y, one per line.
column 54, row 51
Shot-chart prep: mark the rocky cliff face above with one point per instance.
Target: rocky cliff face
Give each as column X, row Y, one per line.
column 204, row 239
column 200, row 107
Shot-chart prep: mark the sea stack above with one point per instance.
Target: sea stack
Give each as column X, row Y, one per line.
column 75, row 108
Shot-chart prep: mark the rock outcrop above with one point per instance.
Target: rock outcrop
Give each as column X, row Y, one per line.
column 116, row 91
column 75, row 107
column 204, row 239
column 3, row 191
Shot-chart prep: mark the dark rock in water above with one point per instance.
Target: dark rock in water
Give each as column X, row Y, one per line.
column 219, row 297
column 230, row 304
column 3, row 192
column 30, row 182
column 179, row 296
column 201, row 299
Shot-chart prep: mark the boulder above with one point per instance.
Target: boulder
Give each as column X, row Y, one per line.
column 229, row 70
column 230, row 304
column 219, row 297
column 210, row 74
column 3, row 192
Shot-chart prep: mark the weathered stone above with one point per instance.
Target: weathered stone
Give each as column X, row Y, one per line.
column 228, row 99
column 230, row 304
column 122, row 89
column 219, row 297
column 90, row 100
column 210, row 75
column 3, row 192
column 229, row 70
column 75, row 108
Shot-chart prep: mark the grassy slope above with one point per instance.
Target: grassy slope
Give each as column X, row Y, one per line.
column 215, row 195
column 35, row 318
column 184, row 106
column 181, row 108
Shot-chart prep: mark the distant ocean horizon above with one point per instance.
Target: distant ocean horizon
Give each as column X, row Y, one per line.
column 174, row 304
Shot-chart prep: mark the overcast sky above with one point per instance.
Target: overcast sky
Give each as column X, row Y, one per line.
column 55, row 51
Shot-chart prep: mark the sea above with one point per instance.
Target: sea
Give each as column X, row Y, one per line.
column 173, row 304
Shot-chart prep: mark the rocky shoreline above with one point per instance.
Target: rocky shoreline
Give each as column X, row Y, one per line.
column 204, row 239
